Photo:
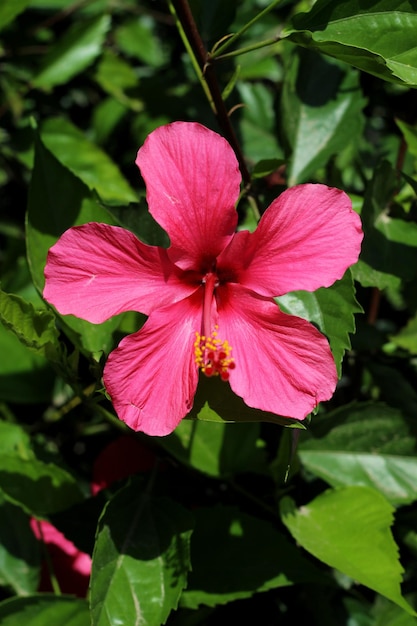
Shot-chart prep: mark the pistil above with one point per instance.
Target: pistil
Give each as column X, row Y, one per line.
column 212, row 355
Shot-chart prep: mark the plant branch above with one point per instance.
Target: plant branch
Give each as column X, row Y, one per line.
column 219, row 49
column 185, row 18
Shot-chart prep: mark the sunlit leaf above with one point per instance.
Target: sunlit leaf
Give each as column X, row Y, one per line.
column 34, row 329
column 367, row 444
column 407, row 337
column 332, row 309
column 376, row 36
column 350, row 529
column 72, row 54
column 86, row 160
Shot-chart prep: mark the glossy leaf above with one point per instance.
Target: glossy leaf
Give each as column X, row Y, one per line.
column 377, row 36
column 350, row 529
column 57, row 201
column 235, row 555
column 332, row 310
column 41, row 609
column 72, row 54
column 141, row 559
column 318, row 123
column 369, row 445
column 19, row 551
column 86, row 160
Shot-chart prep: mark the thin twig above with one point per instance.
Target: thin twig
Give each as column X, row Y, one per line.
column 185, row 17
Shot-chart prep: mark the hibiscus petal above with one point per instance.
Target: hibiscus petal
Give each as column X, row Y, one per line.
column 152, row 376
column 95, row 271
column 283, row 364
column 306, row 239
column 192, row 180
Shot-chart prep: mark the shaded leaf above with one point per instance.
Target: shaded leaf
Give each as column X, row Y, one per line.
column 38, row 487
column 25, row 377
column 235, row 555
column 42, row 609
column 389, row 249
column 57, row 201
column 19, row 551
column 318, row 123
column 140, row 561
column 217, row 449
column 9, row 9
column 349, row 529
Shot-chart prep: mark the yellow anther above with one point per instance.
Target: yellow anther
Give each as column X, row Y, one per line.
column 213, row 356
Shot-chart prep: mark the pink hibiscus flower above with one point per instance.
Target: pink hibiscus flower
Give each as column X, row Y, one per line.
column 209, row 296
column 71, row 566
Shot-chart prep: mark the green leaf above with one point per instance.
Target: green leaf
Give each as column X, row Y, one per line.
column 410, row 135
column 39, row 488
column 25, row 377
column 235, row 555
column 318, row 123
column 57, row 201
column 389, row 248
column 72, row 54
column 141, row 559
column 258, row 123
column 119, row 79
column 407, row 337
column 369, row 445
column 86, row 160
column 9, row 9
column 376, row 36
column 213, row 18
column 136, row 37
column 332, row 309
column 19, row 551
column 219, row 449
column 35, row 329
column 265, row 167
column 349, row 529
column 216, row 402
column 42, row 609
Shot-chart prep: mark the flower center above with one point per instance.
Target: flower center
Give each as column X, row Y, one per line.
column 212, row 354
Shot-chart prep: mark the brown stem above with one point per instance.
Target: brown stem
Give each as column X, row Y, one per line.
column 186, row 18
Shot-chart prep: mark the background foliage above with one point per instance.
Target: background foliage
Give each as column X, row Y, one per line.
column 218, row 521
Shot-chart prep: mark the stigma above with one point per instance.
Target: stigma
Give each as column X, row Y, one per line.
column 213, row 355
